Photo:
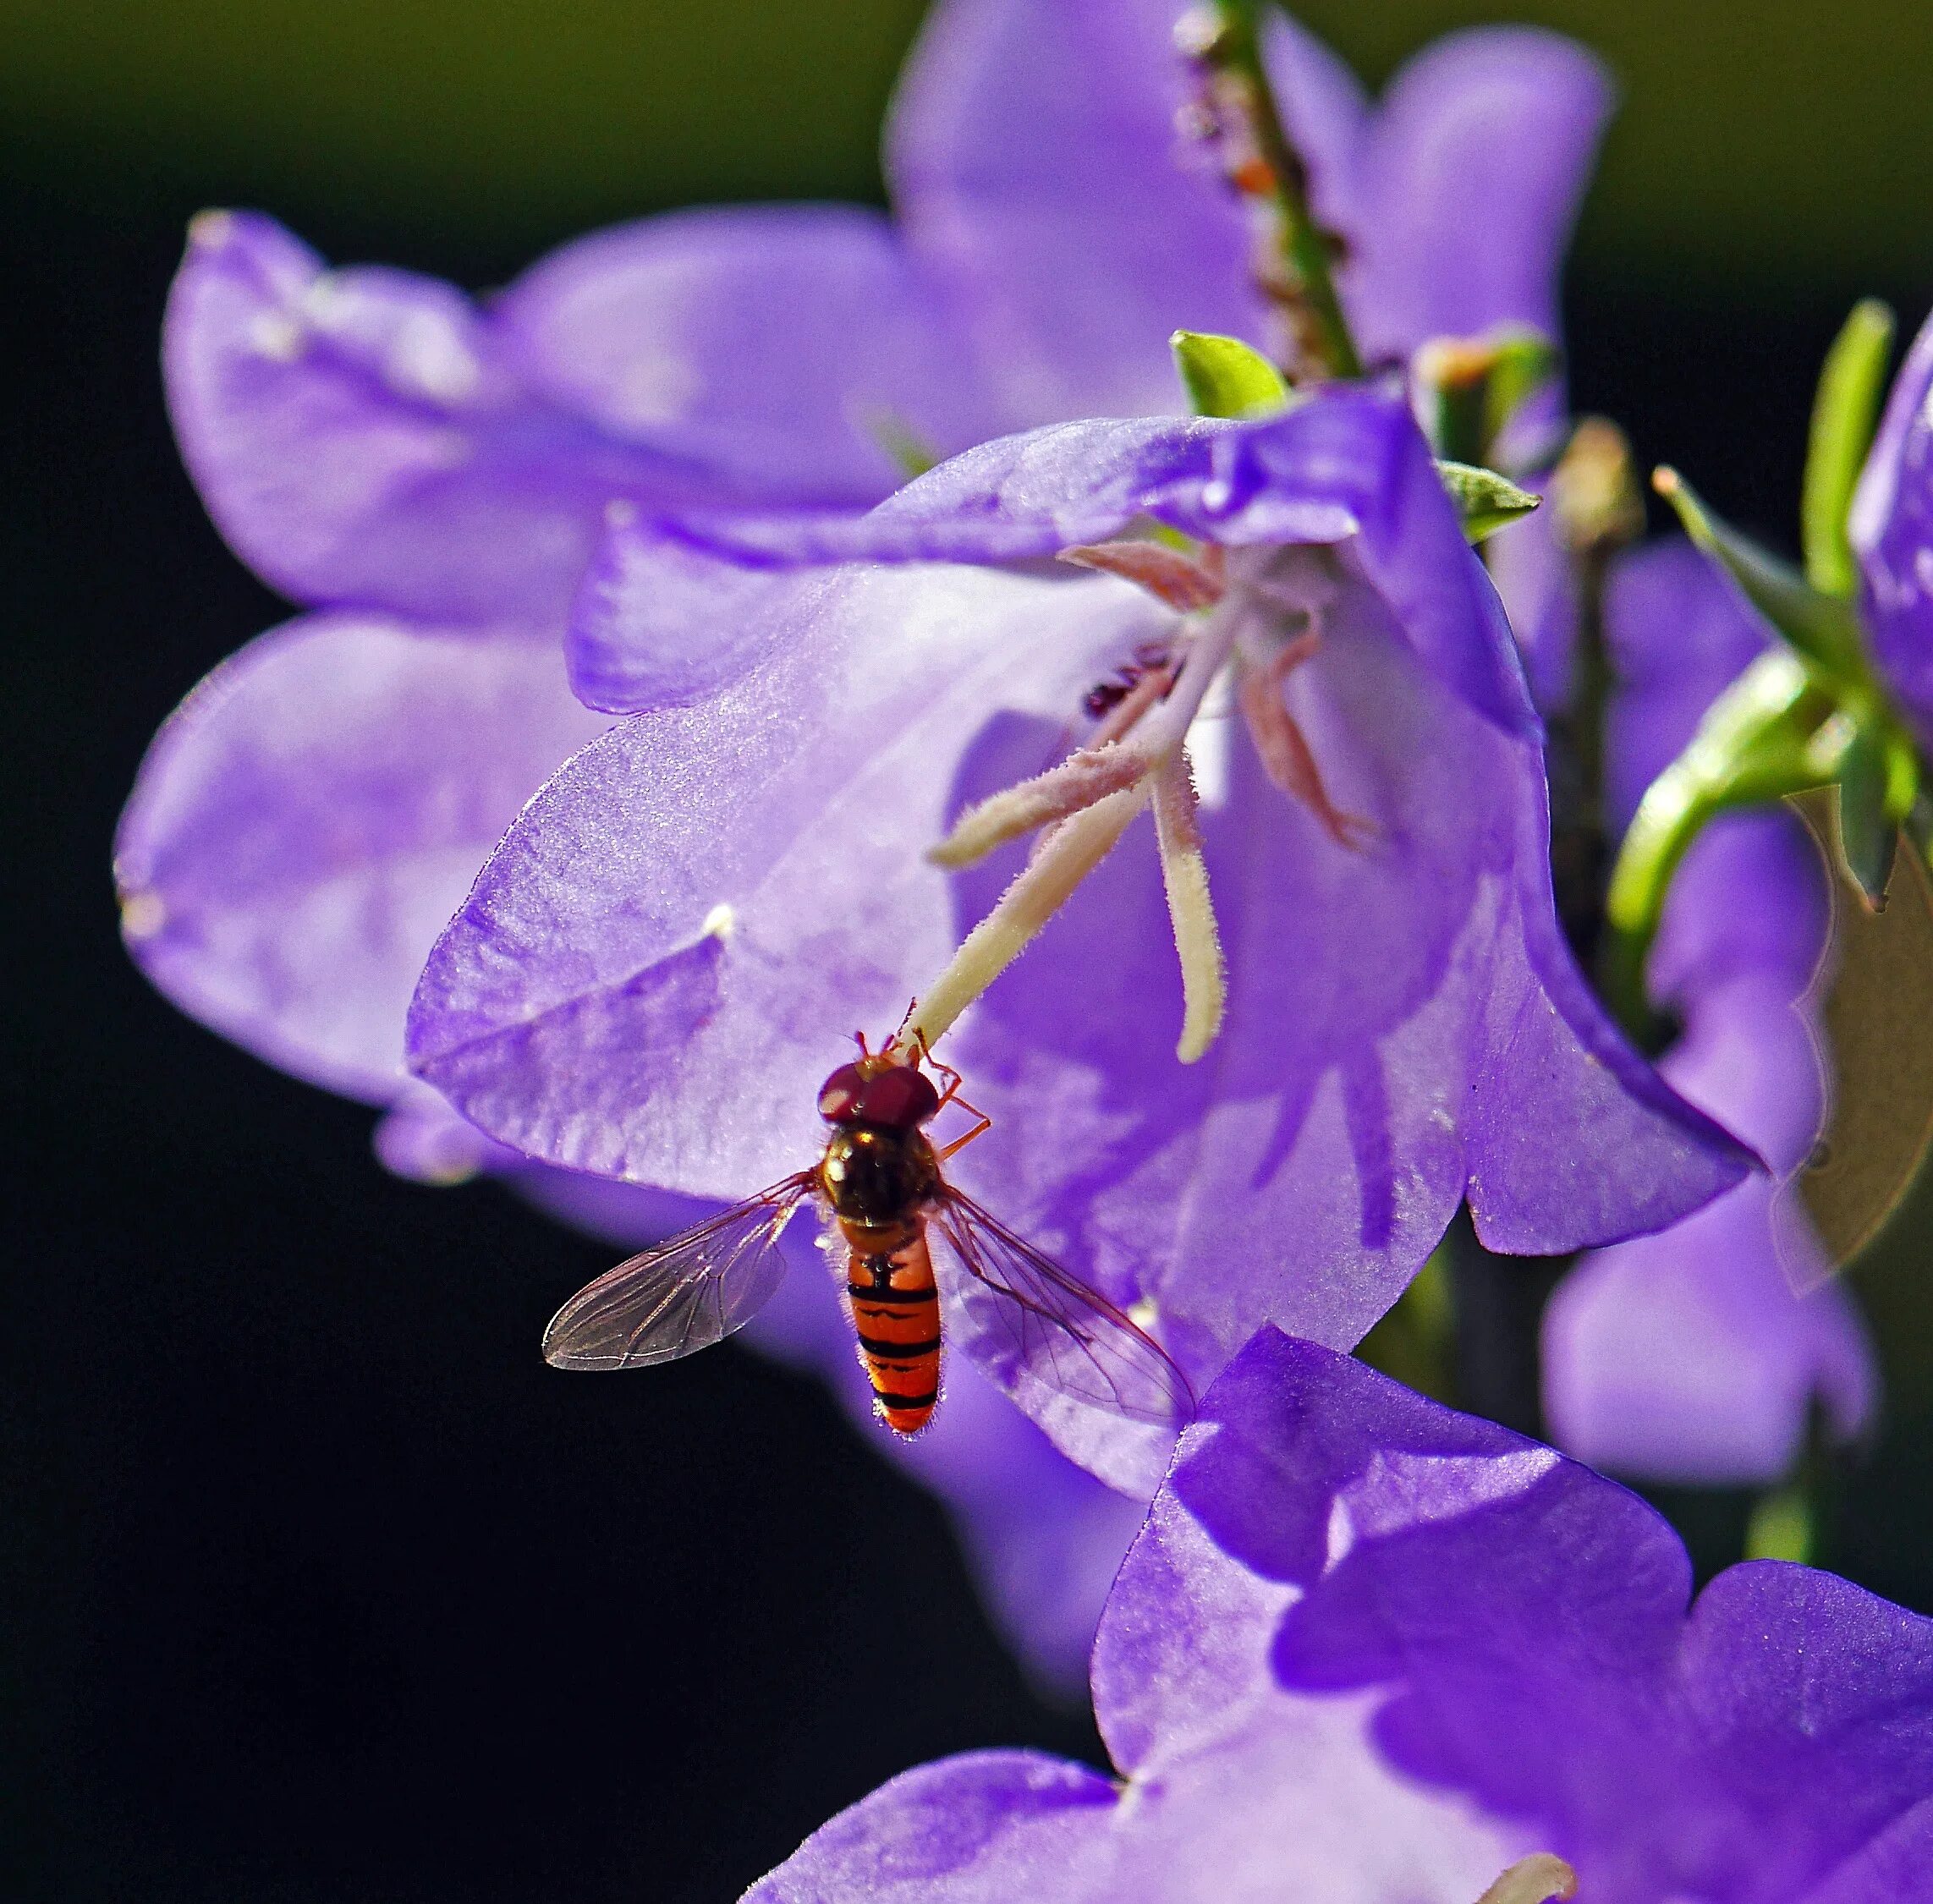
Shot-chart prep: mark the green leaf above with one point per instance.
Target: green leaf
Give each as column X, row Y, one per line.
column 1868, row 834
column 1223, row 376
column 1843, row 414
column 1823, row 629
column 1770, row 733
column 1485, row 500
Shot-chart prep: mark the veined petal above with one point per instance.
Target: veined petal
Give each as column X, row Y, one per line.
column 652, row 974
column 1468, row 186
column 306, row 821
column 784, row 343
column 1368, row 1649
column 359, row 436
column 1348, row 465
column 1028, row 134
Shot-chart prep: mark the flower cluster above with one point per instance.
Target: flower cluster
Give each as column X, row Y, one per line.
column 750, row 621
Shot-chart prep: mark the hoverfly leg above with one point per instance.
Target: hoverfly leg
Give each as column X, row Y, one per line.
column 981, row 1129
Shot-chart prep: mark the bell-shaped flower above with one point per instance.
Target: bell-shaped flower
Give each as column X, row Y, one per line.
column 1689, row 1356
column 427, row 473
column 656, row 968
column 1366, row 1649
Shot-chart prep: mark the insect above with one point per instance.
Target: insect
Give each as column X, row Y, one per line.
column 880, row 1181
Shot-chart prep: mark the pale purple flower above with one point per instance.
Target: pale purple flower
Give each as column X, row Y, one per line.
column 1367, row 1650
column 655, row 968
column 1690, row 1356
column 427, row 474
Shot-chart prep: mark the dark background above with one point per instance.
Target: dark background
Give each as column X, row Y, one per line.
column 313, row 1583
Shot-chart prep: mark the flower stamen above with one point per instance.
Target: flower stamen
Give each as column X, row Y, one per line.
column 1533, row 1880
column 1182, row 581
column 1184, row 874
column 1286, row 755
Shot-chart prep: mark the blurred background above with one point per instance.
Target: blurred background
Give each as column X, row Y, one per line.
column 312, row 1584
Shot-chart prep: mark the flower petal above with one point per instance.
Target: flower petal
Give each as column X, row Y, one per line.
column 654, row 974
column 786, row 343
column 1468, row 186
column 1347, row 462
column 310, row 816
column 359, row 436
column 1031, row 134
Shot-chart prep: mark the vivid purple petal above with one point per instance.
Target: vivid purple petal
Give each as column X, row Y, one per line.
column 1348, row 463
column 655, row 971
column 672, row 948
column 359, row 437
column 659, row 623
column 789, row 344
column 1467, row 191
column 1679, row 635
column 985, row 1828
column 1891, row 529
column 1034, row 161
column 308, row 819
column 1688, row 1358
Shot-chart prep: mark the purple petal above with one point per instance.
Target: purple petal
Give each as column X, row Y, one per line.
column 1892, row 530
column 1367, row 1649
column 359, row 437
column 657, row 622
column 985, row 1828
column 1034, row 161
column 787, row 343
column 1678, row 635
column 1688, row 1358
column 1347, row 462
column 673, row 946
column 655, row 972
column 308, row 819
column 1526, row 1621
column 1468, row 185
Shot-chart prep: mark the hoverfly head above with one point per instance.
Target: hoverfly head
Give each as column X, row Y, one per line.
column 879, row 1091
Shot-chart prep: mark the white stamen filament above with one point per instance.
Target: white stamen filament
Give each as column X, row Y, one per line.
column 1080, row 780
column 1533, row 1880
column 1184, row 873
column 1080, row 845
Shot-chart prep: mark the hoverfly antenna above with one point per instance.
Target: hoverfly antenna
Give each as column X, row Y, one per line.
column 858, row 1038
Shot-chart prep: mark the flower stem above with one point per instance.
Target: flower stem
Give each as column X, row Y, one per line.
column 1223, row 39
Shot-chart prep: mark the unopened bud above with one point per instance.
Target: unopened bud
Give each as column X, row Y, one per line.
column 1595, row 490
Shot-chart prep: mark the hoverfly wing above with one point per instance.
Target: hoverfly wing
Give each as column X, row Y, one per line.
column 1042, row 1321
column 680, row 1296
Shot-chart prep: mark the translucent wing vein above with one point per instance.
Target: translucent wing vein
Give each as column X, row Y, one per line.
column 679, row 1296
column 1031, row 1320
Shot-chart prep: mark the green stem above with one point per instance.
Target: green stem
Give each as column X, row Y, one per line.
column 1228, row 45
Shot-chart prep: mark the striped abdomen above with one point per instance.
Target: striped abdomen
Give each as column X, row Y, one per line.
column 896, row 1309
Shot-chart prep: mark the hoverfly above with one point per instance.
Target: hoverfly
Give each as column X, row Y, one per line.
column 879, row 1182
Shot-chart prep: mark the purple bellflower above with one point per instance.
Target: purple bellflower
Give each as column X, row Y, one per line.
column 1689, row 1356
column 1366, row 1649
column 650, row 975
column 427, row 475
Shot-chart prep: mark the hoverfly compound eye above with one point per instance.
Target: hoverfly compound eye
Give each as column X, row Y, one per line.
column 901, row 1099
column 839, row 1095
